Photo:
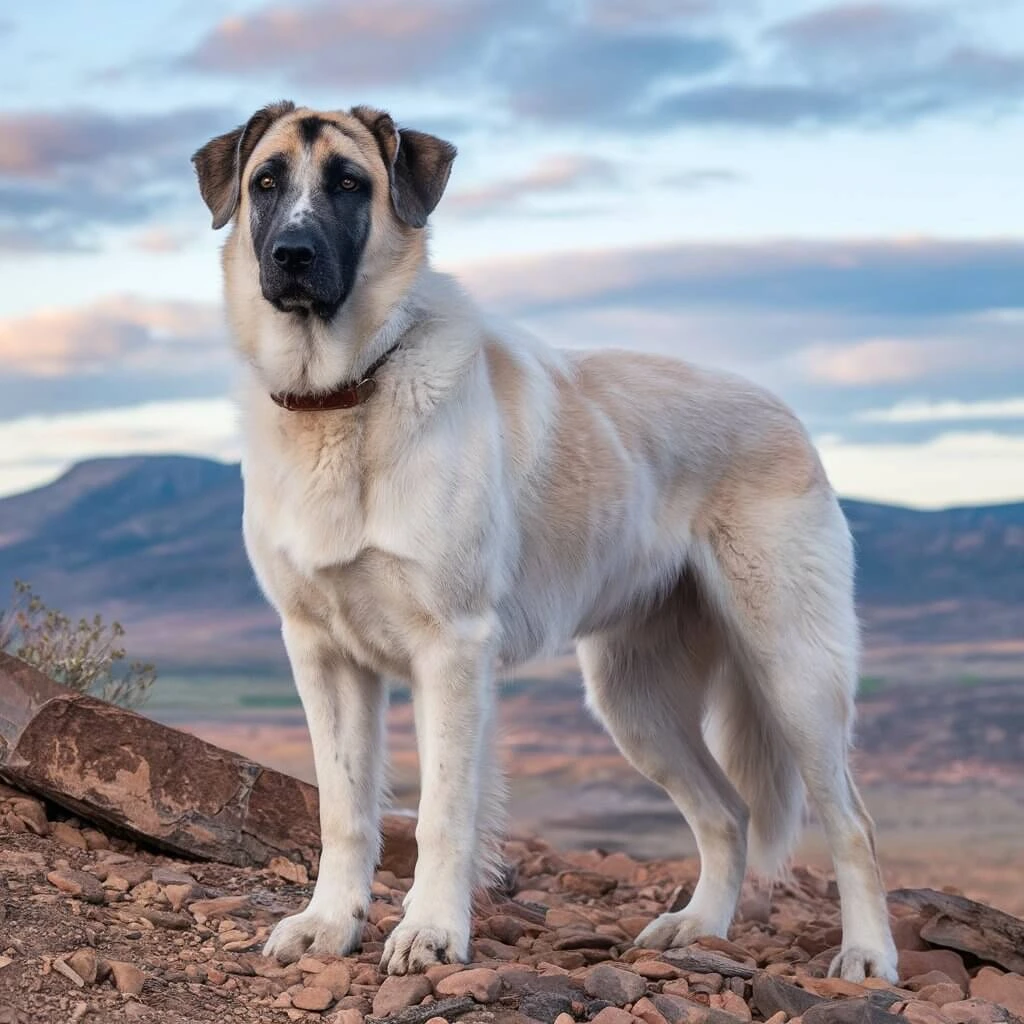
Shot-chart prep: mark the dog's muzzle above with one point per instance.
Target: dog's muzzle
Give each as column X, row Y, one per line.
column 299, row 274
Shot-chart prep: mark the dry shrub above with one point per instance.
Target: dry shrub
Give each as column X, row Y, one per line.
column 87, row 657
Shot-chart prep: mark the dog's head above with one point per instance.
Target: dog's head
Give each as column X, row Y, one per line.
column 320, row 197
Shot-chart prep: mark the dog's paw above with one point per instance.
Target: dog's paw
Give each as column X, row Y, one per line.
column 312, row 931
column 678, row 929
column 858, row 963
column 412, row 948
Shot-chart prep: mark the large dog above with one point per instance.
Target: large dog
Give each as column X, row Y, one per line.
column 429, row 499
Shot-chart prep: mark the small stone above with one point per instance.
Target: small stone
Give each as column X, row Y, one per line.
column 939, row 995
column 613, row 1015
column 995, row 986
column 850, row 1011
column 920, row 981
column 921, row 1012
column 348, row 1016
column 483, row 984
column 95, row 840
column 831, row 988
column 179, row 893
column 565, row 1018
column 437, row 1020
column 127, row 977
column 33, row 814
column 505, row 928
column 312, row 997
column 77, row 883
column 915, row 962
column 648, row 1012
column 586, row 883
column 974, row 1011
column 398, row 992
column 69, row 836
column 772, row 994
column 656, row 970
column 731, row 1003
column 84, row 964
column 336, row 978
column 289, row 870
column 171, row 876
column 614, row 984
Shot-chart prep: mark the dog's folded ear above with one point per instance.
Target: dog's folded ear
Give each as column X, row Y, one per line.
column 418, row 165
column 220, row 162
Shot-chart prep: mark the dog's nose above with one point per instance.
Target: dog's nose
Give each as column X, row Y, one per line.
column 293, row 252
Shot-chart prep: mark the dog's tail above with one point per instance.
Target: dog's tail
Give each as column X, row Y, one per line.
column 748, row 744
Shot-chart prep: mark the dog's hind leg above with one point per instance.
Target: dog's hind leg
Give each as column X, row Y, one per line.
column 788, row 597
column 344, row 708
column 647, row 683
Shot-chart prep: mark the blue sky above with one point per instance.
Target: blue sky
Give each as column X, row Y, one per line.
column 823, row 196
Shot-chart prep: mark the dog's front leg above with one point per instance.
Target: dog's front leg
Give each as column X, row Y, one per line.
column 344, row 707
column 453, row 691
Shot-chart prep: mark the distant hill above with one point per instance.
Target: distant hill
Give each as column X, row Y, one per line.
column 156, row 541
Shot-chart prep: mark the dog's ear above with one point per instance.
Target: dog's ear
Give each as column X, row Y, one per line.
column 220, row 162
column 418, row 165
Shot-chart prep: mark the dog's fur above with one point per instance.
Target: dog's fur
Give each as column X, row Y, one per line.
column 495, row 498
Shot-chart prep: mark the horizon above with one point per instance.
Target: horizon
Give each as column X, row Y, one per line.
column 812, row 194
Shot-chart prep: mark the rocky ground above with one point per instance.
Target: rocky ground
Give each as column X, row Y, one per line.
column 94, row 928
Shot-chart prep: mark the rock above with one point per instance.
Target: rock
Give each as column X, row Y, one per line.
column 84, row 964
column 648, row 1012
column 565, row 1018
column 115, row 767
column 656, row 970
column 906, row 932
column 399, row 991
column 178, row 895
column 613, row 1015
column 586, row 940
column 346, row 1017
column 913, row 963
column 614, row 984
column 77, row 883
column 940, row 994
column 1005, row 989
column 586, row 883
column 975, row 1011
column 771, row 994
column 289, row 870
column 33, row 814
column 850, row 1011
column 920, row 1012
column 448, row 1009
column 730, row 1002
column 506, row 929
column 336, row 978
column 312, row 997
column 920, row 981
column 971, row 927
column 171, row 876
column 697, row 960
column 127, row 977
column 482, row 984
column 64, row 833
column 832, row 988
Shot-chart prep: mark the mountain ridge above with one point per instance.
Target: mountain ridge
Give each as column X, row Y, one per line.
column 156, row 541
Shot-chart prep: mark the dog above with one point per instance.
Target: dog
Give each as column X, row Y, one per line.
column 429, row 498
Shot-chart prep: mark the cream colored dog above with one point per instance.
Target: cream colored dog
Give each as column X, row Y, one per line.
column 428, row 499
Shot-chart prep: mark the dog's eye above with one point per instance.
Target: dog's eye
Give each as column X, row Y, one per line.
column 347, row 185
column 267, row 182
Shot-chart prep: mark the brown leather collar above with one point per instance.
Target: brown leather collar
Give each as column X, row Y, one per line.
column 345, row 396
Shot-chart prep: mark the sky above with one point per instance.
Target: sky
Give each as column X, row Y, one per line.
column 824, row 197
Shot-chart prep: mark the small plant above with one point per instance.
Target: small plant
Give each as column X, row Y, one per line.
column 86, row 657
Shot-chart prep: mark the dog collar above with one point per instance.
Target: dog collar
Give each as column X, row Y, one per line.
column 345, row 396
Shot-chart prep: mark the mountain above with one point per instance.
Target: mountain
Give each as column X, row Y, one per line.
column 156, row 542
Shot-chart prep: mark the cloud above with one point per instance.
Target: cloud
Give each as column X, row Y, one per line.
column 869, row 64
column 952, row 469
column 332, row 43
column 701, row 177
column 64, row 176
column 159, row 239
column 883, row 361
column 607, row 77
column 889, row 278
column 559, row 174
column 949, row 410
column 116, row 333
column 36, row 449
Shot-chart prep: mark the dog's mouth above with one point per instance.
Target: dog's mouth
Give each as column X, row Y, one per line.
column 300, row 303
